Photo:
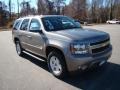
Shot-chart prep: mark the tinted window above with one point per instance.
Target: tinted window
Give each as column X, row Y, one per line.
column 34, row 25
column 16, row 25
column 59, row 23
column 24, row 24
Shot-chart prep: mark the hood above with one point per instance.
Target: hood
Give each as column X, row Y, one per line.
column 83, row 34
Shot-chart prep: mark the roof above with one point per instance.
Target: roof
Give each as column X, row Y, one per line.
column 39, row 16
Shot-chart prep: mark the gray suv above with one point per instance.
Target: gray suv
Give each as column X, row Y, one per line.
column 64, row 44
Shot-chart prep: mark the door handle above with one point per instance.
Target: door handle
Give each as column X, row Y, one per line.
column 29, row 36
column 20, row 35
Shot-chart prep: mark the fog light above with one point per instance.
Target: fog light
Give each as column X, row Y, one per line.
column 84, row 67
column 101, row 63
column 79, row 67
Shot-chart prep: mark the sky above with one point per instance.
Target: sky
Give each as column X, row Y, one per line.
column 33, row 3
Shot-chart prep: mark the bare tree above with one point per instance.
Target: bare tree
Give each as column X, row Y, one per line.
column 26, row 9
column 114, row 9
column 102, row 10
column 50, row 6
column 59, row 4
column 42, row 7
column 4, row 14
column 18, row 7
column 96, row 10
column 76, row 9
column 10, row 8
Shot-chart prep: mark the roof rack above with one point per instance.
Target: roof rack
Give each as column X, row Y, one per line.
column 30, row 16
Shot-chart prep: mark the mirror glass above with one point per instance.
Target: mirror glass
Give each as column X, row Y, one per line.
column 35, row 26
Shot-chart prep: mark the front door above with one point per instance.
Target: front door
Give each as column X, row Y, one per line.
column 35, row 39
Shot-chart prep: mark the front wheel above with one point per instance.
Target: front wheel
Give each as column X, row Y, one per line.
column 56, row 64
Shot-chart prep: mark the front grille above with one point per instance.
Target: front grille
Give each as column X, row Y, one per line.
column 97, row 50
column 99, row 46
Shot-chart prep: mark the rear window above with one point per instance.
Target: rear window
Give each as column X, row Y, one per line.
column 17, row 24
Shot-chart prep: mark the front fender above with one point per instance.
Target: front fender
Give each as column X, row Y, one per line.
column 61, row 45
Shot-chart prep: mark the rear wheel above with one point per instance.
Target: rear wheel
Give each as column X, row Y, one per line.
column 19, row 49
column 56, row 64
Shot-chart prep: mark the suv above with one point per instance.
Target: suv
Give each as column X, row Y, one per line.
column 64, row 44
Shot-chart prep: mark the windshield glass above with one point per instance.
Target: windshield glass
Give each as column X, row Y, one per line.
column 57, row 23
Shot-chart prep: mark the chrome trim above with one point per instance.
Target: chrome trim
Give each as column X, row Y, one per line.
column 99, row 45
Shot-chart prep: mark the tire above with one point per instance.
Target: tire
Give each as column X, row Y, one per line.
column 19, row 49
column 57, row 65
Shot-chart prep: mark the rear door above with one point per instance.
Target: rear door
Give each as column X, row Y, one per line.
column 23, row 33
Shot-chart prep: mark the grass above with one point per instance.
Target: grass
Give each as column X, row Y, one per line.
column 4, row 29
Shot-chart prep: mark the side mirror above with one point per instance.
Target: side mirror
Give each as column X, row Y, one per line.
column 77, row 23
column 35, row 29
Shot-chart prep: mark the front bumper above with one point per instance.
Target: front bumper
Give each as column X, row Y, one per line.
column 77, row 62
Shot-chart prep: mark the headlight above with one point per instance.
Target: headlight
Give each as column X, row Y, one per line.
column 79, row 48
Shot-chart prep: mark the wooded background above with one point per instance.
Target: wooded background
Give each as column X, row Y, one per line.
column 94, row 11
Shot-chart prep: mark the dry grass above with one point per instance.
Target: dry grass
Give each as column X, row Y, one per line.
column 4, row 29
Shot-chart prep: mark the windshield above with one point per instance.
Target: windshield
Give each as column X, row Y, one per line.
column 57, row 23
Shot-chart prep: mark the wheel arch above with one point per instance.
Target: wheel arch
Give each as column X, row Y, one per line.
column 16, row 39
column 51, row 48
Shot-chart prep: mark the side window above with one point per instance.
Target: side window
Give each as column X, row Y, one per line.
column 34, row 25
column 24, row 24
column 16, row 25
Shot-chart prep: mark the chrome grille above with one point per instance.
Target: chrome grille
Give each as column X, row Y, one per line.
column 100, row 46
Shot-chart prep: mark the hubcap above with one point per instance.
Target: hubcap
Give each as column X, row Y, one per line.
column 55, row 65
column 18, row 48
